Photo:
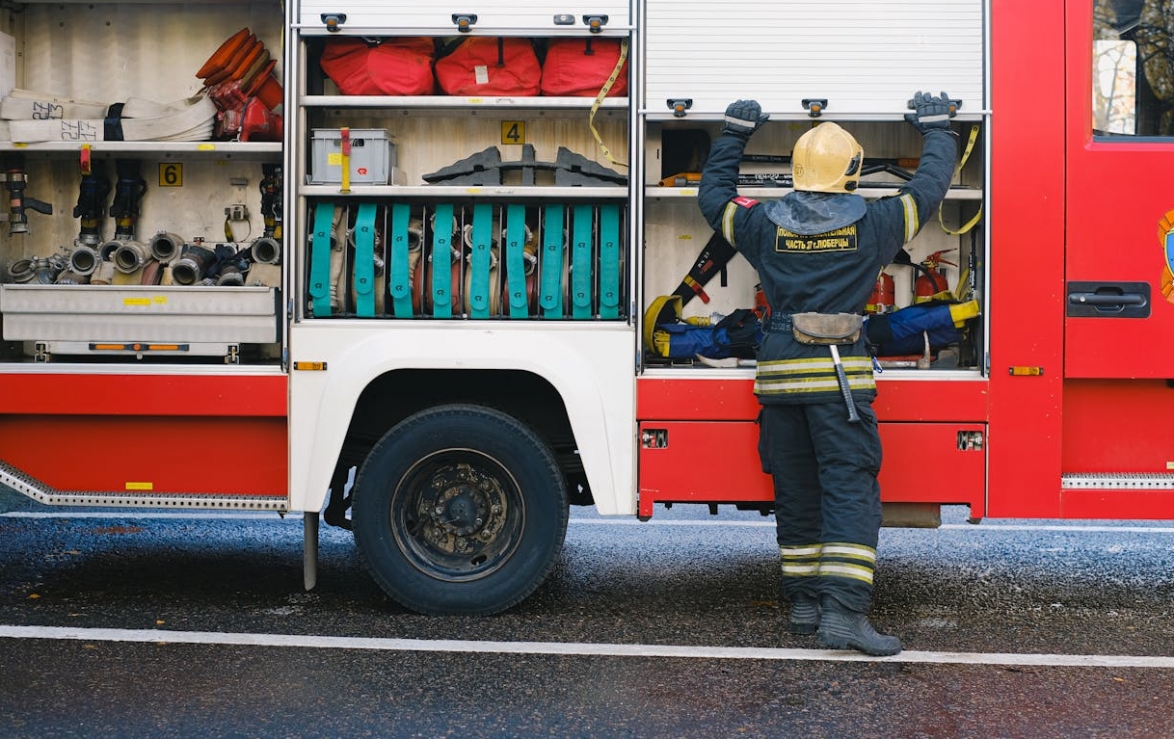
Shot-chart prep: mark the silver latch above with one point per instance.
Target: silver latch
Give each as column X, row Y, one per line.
column 595, row 23
column 814, row 106
column 464, row 21
column 679, row 106
column 333, row 20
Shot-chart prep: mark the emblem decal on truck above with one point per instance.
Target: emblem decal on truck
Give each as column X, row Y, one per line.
column 1166, row 239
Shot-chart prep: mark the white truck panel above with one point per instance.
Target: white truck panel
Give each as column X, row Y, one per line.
column 863, row 57
column 105, row 313
column 589, row 365
column 107, row 52
column 409, row 14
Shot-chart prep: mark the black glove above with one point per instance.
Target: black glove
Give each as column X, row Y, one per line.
column 930, row 113
column 743, row 118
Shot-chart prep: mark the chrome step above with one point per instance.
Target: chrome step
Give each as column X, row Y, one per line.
column 42, row 493
column 1120, row 481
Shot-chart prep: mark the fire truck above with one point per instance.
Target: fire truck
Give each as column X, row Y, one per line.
column 255, row 247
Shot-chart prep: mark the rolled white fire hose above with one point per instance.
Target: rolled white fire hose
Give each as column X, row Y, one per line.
column 33, row 118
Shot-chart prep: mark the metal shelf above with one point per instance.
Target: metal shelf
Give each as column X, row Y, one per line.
column 445, row 102
column 954, row 193
column 461, row 191
column 166, row 149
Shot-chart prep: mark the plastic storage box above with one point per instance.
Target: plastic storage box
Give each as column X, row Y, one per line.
column 372, row 159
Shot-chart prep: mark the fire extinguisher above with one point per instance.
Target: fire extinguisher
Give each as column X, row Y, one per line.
column 930, row 281
column 883, row 298
column 761, row 307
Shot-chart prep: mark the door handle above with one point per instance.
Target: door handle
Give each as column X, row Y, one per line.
column 1108, row 299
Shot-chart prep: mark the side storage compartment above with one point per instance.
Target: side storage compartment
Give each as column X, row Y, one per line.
column 667, row 455
column 476, row 176
column 808, row 63
column 700, row 302
column 142, row 158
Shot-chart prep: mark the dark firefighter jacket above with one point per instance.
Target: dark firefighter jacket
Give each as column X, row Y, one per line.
column 818, row 252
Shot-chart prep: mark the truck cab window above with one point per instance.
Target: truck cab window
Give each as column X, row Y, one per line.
column 1133, row 68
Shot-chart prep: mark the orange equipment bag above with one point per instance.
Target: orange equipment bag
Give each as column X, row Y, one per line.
column 485, row 65
column 394, row 66
column 576, row 67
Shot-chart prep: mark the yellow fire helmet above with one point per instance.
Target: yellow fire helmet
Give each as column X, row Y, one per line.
column 827, row 159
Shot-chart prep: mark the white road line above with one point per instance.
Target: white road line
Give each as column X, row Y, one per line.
column 296, row 519
column 148, row 636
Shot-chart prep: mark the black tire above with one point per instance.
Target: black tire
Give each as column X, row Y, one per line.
column 460, row 509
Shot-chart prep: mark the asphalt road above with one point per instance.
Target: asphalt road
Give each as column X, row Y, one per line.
column 169, row 624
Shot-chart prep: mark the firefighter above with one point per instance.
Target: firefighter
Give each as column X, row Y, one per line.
column 818, row 251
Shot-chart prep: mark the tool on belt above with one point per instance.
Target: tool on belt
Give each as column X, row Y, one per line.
column 831, row 330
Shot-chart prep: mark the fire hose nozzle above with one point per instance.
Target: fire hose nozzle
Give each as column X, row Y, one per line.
column 192, row 265
column 165, row 247
column 37, row 270
column 84, row 260
column 130, row 257
column 230, row 276
column 15, row 180
column 266, row 251
column 70, row 277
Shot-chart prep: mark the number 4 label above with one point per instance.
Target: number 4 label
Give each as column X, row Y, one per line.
column 513, row 132
column 170, row 174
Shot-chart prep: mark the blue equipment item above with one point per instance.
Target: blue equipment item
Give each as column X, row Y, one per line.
column 900, row 332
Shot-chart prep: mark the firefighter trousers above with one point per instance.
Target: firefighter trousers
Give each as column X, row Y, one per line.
column 827, row 499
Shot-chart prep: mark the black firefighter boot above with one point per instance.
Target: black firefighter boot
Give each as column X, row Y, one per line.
column 841, row 628
column 804, row 614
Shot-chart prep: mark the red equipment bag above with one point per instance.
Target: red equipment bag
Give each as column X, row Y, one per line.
column 576, row 67
column 484, row 65
column 394, row 66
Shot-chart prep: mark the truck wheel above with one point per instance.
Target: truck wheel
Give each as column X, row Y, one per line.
column 459, row 509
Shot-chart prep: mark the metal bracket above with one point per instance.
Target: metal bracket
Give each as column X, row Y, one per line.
column 464, row 21
column 595, row 23
column 679, row 106
column 333, row 20
column 814, row 106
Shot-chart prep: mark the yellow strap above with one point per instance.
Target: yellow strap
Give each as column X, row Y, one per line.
column 615, row 73
column 977, row 216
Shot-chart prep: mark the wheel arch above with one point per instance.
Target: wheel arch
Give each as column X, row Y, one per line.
column 396, row 395
column 575, row 389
